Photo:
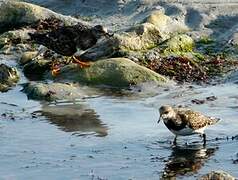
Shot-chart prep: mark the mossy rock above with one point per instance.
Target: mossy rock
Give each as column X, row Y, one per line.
column 138, row 39
column 14, row 37
column 51, row 92
column 15, row 14
column 178, row 44
column 115, row 72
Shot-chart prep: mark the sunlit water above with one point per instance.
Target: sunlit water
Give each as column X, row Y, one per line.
column 114, row 137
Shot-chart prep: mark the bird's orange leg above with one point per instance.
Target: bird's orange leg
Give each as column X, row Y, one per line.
column 80, row 62
column 55, row 69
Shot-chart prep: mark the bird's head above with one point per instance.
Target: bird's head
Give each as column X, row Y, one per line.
column 166, row 112
column 100, row 31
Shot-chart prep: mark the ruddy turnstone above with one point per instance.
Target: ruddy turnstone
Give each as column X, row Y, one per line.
column 67, row 40
column 184, row 122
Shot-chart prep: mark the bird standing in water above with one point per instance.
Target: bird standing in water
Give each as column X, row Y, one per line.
column 184, row 122
column 67, row 40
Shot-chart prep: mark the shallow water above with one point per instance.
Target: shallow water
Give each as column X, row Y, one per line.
column 114, row 137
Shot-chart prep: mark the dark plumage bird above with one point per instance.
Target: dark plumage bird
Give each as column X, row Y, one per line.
column 66, row 40
column 184, row 122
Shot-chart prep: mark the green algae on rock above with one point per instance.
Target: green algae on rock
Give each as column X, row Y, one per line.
column 136, row 40
column 178, row 44
column 166, row 24
column 115, row 72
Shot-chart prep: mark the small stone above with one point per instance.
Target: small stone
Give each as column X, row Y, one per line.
column 4, row 115
column 198, row 101
column 211, row 98
column 27, row 57
column 9, row 76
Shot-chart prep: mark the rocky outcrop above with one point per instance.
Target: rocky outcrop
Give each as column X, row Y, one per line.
column 138, row 41
column 139, row 38
column 116, row 72
column 14, row 37
column 14, row 14
column 8, row 77
column 53, row 91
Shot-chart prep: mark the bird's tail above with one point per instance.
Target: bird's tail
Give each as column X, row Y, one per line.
column 38, row 38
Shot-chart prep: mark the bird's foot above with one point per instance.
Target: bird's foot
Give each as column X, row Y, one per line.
column 81, row 63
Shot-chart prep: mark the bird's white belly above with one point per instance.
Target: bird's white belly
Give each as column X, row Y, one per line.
column 188, row 131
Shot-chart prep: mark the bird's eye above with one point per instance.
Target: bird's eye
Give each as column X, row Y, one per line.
column 166, row 112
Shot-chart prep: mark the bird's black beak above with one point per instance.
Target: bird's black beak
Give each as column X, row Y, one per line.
column 159, row 119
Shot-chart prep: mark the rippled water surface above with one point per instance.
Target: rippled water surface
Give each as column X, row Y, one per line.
column 114, row 136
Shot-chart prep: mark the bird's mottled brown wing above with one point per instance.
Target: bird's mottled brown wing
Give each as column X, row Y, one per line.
column 60, row 40
column 66, row 40
column 196, row 120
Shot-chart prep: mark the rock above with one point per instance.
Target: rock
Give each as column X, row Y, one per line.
column 14, row 37
column 51, row 92
column 166, row 24
column 139, row 38
column 116, row 72
column 16, row 42
column 36, row 68
column 27, row 57
column 221, row 175
column 178, row 44
column 142, row 38
column 15, row 14
column 8, row 77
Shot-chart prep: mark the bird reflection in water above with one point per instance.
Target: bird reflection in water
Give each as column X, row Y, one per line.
column 76, row 118
column 186, row 160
